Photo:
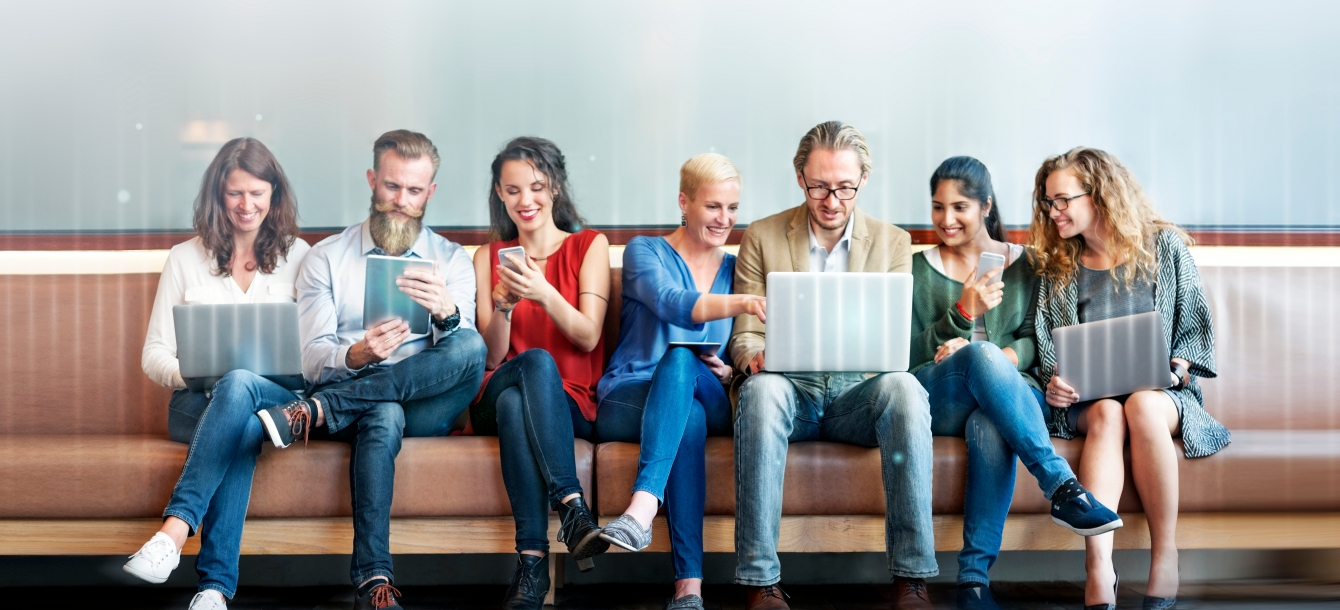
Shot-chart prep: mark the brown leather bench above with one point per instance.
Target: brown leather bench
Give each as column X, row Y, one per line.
column 86, row 466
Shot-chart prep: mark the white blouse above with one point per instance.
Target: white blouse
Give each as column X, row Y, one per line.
column 188, row 279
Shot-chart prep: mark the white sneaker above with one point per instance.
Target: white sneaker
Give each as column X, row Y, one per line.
column 155, row 560
column 209, row 599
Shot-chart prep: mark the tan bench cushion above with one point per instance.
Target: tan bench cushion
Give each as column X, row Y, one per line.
column 126, row 476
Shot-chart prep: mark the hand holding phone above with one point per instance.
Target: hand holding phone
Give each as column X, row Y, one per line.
column 983, row 290
column 506, row 255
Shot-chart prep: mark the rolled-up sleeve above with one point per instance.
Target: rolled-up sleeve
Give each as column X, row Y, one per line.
column 159, row 358
column 459, row 272
column 647, row 281
column 323, row 358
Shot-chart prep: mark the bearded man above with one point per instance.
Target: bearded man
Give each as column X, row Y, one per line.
column 372, row 387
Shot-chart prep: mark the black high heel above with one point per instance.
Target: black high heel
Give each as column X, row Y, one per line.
column 1113, row 605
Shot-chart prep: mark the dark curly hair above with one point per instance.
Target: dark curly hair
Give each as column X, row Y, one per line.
column 547, row 159
column 211, row 221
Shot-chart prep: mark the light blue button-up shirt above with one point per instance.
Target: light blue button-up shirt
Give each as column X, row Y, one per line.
column 330, row 298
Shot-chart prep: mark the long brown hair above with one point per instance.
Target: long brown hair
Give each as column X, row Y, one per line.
column 1119, row 203
column 211, row 222
column 547, row 159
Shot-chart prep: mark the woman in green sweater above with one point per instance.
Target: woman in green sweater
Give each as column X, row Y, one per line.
column 972, row 345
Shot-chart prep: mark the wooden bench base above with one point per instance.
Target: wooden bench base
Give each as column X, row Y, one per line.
column 800, row 534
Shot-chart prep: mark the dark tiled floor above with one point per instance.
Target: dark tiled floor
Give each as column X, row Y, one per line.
column 1021, row 596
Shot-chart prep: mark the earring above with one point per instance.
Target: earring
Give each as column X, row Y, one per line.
column 683, row 220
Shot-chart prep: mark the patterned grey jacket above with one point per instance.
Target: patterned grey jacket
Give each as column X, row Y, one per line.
column 1186, row 328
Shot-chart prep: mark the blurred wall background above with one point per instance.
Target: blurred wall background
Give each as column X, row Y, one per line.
column 109, row 112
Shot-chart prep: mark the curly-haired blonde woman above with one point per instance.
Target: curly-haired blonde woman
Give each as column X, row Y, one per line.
column 1103, row 252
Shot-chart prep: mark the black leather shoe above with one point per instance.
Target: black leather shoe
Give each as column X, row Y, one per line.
column 380, row 597
column 529, row 585
column 578, row 529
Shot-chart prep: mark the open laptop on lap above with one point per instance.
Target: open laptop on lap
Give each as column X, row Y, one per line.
column 839, row 322
column 1112, row 357
column 213, row 340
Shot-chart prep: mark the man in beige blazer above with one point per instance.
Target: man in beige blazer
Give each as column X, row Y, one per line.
column 890, row 411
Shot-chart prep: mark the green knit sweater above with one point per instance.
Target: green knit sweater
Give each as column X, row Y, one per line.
column 935, row 320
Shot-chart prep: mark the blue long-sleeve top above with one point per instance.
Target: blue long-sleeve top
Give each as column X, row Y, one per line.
column 658, row 299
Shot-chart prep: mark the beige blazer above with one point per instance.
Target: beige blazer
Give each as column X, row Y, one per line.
column 781, row 242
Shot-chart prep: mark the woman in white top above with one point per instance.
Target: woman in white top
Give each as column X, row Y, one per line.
column 246, row 250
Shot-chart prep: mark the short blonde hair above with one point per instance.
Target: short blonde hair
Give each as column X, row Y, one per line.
column 833, row 135
column 705, row 170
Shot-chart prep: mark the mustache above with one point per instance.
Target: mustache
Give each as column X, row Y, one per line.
column 386, row 207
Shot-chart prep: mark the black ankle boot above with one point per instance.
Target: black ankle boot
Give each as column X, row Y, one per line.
column 578, row 529
column 529, row 585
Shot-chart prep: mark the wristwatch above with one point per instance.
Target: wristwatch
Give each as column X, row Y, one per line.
column 450, row 323
column 1179, row 371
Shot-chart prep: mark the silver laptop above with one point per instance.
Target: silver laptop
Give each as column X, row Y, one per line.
column 213, row 340
column 1113, row 357
column 838, row 322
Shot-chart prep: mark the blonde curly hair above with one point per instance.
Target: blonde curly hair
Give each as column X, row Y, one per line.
column 1121, row 205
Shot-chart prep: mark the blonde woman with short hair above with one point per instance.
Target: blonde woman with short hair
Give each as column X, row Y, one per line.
column 1104, row 252
column 676, row 288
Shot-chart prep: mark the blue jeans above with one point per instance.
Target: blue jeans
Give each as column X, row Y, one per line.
column 536, row 422
column 978, row 394
column 420, row 396
column 888, row 411
column 672, row 415
column 215, row 485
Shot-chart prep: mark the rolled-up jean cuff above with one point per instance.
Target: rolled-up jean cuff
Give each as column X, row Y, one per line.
column 567, row 491
column 1051, row 492
column 660, row 499
column 366, row 576
column 974, row 583
column 749, row 582
column 697, row 575
column 928, row 574
column 194, row 527
column 224, row 592
column 543, row 547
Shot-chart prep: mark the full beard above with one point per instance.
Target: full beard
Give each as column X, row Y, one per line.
column 394, row 235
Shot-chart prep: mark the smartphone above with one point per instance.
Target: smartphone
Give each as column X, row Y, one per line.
column 989, row 261
column 507, row 262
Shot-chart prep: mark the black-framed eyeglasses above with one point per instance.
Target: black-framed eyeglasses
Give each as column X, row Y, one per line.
column 1060, row 203
column 820, row 193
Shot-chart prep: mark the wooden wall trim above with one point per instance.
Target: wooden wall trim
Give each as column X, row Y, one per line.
column 1205, row 236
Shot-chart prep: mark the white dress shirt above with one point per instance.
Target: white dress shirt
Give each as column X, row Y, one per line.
column 189, row 278
column 330, row 298
column 830, row 262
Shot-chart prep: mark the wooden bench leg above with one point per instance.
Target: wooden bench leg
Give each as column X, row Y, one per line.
column 556, row 561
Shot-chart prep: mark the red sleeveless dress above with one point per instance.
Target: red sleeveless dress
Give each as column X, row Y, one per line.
column 532, row 328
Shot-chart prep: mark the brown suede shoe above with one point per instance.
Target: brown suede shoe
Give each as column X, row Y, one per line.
column 910, row 594
column 770, row 597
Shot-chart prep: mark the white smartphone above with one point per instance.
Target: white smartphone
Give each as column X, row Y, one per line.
column 989, row 261
column 507, row 262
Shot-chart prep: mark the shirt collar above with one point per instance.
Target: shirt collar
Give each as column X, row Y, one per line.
column 844, row 240
column 369, row 246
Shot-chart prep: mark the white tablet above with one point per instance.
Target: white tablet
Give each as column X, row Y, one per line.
column 702, row 348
